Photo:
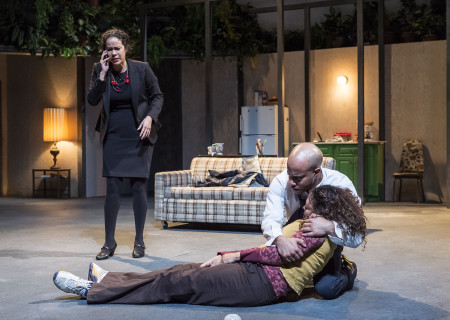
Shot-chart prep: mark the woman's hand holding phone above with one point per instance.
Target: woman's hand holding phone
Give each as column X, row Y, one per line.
column 104, row 61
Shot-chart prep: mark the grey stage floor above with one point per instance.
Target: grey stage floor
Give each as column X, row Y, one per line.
column 403, row 273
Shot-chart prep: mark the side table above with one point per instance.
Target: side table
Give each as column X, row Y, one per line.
column 47, row 178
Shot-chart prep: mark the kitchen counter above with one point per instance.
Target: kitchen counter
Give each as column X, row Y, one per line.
column 346, row 156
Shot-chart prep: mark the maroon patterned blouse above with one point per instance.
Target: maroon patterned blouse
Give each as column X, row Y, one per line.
column 271, row 261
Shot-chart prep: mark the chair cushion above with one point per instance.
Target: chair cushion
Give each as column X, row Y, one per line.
column 412, row 156
column 413, row 175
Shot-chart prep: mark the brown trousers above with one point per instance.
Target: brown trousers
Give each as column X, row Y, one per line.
column 236, row 284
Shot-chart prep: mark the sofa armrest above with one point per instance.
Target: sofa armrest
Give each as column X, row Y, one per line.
column 329, row 163
column 181, row 178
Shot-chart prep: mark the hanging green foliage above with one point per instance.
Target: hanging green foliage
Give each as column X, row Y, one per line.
column 233, row 31
column 156, row 50
column 69, row 28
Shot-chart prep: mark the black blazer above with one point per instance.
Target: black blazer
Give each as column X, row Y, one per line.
column 146, row 96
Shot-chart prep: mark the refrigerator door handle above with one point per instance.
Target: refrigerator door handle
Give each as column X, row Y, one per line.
column 240, row 123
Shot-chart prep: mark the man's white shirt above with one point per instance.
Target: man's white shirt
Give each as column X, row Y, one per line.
column 282, row 202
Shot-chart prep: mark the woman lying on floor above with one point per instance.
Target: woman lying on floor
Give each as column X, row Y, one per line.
column 250, row 277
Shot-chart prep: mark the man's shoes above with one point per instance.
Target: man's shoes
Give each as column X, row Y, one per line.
column 96, row 274
column 106, row 252
column 138, row 251
column 70, row 283
column 348, row 267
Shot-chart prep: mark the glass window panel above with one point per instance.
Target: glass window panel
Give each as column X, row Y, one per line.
column 294, row 30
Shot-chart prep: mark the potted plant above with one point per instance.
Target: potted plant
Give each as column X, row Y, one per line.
column 429, row 24
column 337, row 28
column 406, row 18
column 234, row 31
column 391, row 27
column 156, row 50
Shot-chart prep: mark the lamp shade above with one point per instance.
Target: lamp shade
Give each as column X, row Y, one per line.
column 55, row 124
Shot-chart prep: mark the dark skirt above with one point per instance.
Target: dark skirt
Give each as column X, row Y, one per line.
column 124, row 153
column 236, row 284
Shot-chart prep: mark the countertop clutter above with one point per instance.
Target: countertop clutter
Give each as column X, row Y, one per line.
column 367, row 141
column 346, row 136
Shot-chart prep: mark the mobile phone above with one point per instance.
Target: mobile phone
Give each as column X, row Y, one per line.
column 106, row 58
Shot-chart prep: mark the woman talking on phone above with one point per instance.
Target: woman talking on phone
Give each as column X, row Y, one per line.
column 132, row 101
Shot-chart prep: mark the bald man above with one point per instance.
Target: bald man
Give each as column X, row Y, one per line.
column 285, row 200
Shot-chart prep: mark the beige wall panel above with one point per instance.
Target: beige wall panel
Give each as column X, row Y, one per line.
column 226, row 109
column 260, row 74
column 225, row 124
column 33, row 84
column 193, row 110
column 334, row 107
column 295, row 94
column 371, row 92
column 95, row 184
column 4, row 127
column 417, row 109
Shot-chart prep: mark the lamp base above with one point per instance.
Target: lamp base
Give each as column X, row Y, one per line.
column 54, row 151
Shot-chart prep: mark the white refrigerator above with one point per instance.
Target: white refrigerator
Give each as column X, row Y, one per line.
column 261, row 122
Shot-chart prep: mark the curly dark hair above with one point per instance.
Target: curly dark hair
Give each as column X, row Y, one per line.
column 340, row 205
column 119, row 34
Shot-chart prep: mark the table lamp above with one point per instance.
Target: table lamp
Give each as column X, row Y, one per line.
column 55, row 129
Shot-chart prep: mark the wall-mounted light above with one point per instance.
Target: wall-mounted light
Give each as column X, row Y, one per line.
column 342, row 80
column 55, row 129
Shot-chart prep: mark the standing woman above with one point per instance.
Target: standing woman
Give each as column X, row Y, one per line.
column 127, row 124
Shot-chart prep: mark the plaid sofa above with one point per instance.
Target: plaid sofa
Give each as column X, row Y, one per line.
column 178, row 200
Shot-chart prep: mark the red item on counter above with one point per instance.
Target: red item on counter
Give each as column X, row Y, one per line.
column 343, row 134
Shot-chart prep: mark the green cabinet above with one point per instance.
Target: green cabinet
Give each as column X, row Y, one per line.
column 346, row 155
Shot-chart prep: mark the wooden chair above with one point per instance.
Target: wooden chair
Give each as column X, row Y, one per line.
column 411, row 167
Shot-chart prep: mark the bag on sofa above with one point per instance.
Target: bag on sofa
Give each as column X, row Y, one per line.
column 232, row 178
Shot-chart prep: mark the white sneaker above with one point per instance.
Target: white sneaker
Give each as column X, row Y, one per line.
column 96, row 274
column 70, row 283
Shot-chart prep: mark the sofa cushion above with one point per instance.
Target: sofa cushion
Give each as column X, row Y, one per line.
column 216, row 193
column 207, row 193
column 258, row 194
column 214, row 211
